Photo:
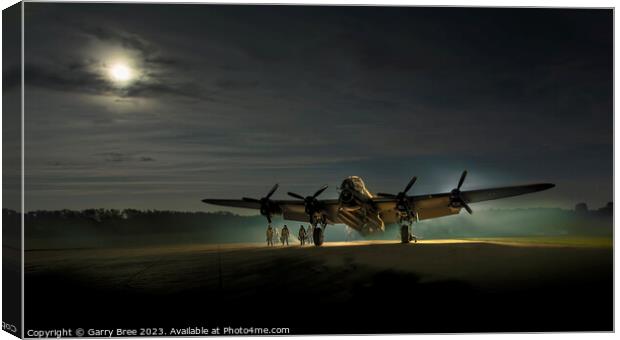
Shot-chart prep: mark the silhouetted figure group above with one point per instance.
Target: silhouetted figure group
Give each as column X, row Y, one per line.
column 305, row 236
column 277, row 234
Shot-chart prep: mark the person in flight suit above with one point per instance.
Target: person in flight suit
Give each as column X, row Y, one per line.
column 269, row 236
column 310, row 233
column 285, row 235
column 302, row 235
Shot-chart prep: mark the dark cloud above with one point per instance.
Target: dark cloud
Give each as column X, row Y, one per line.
column 73, row 73
column 150, row 54
column 234, row 98
column 79, row 77
column 230, row 84
column 73, row 77
column 129, row 41
column 116, row 157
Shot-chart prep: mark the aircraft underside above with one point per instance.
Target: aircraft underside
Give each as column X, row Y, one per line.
column 364, row 222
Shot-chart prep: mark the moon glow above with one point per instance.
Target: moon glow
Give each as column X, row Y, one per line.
column 120, row 73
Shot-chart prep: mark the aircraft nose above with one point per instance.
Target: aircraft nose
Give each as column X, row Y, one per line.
column 345, row 196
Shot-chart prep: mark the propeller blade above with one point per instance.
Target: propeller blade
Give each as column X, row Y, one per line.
column 465, row 205
column 292, row 194
column 320, row 191
column 462, row 179
column 386, row 195
column 275, row 187
column 248, row 199
column 410, row 184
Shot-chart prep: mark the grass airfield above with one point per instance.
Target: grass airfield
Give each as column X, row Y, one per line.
column 500, row 284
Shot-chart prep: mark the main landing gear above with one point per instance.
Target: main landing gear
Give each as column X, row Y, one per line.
column 406, row 228
column 406, row 236
column 317, row 236
column 319, row 224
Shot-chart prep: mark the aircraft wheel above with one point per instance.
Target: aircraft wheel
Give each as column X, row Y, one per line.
column 404, row 234
column 317, row 236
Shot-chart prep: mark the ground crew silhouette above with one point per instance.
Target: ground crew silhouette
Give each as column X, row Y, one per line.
column 269, row 236
column 285, row 235
column 302, row 235
column 310, row 232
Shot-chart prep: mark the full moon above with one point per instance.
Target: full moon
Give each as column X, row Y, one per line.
column 120, row 73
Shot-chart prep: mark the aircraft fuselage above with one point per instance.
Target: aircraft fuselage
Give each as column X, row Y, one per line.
column 356, row 208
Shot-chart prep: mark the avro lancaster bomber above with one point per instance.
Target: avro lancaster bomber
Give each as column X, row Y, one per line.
column 368, row 213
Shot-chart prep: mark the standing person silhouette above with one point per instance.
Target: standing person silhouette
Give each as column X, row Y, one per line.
column 285, row 234
column 302, row 235
column 269, row 236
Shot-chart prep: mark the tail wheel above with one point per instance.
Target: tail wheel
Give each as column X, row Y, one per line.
column 404, row 234
column 317, row 236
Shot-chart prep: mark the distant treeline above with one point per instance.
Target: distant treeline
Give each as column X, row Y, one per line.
column 111, row 227
column 130, row 227
column 521, row 223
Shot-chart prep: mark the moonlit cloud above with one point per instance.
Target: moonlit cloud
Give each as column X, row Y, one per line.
column 224, row 101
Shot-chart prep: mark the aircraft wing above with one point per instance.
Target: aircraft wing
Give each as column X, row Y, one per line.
column 293, row 210
column 233, row 203
column 474, row 196
column 427, row 206
column 437, row 205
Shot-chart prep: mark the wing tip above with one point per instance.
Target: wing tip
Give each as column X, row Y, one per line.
column 544, row 186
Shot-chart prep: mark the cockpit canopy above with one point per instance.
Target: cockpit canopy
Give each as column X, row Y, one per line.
column 354, row 183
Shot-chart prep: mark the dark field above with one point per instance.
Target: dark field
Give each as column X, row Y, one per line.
column 432, row 286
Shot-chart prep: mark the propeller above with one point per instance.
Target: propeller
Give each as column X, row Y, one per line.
column 267, row 206
column 402, row 201
column 456, row 198
column 403, row 194
column 311, row 204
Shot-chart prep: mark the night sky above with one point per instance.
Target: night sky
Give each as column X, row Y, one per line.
column 159, row 106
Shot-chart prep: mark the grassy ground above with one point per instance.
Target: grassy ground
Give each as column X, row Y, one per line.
column 567, row 241
column 503, row 284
